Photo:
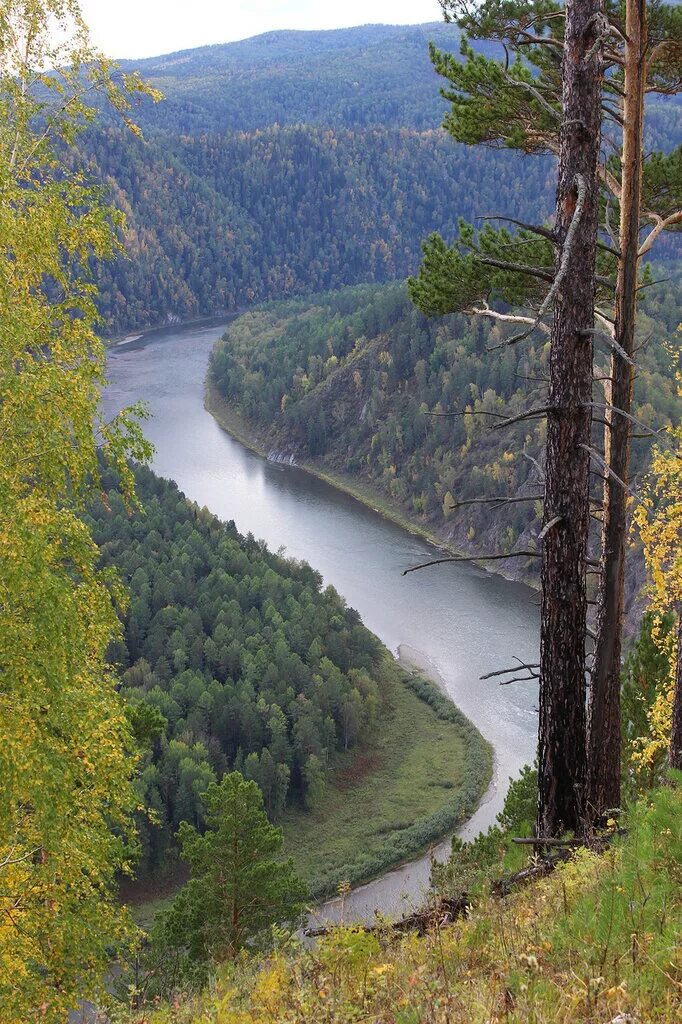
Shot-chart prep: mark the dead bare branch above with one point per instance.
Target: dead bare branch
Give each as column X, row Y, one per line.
column 539, row 411
column 514, row 668
column 548, row 526
column 472, row 558
column 607, row 469
column 499, row 500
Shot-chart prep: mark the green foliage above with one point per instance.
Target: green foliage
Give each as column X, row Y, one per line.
column 471, row 865
column 645, row 676
column 463, row 778
column 66, row 749
column 597, row 940
column 453, row 279
column 285, row 211
column 314, row 161
column 239, row 886
column 359, row 382
column 232, row 657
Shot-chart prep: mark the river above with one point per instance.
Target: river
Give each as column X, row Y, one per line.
column 457, row 618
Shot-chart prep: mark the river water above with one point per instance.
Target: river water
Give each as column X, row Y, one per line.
column 462, row 621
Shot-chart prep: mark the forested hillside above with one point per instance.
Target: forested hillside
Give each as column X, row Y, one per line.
column 359, row 383
column 297, row 162
column 359, row 77
column 218, row 222
column 352, row 78
column 250, row 664
column 234, row 658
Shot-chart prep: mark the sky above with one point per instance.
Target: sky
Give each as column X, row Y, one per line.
column 145, row 28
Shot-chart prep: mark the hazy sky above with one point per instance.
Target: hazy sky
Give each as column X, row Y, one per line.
column 143, row 28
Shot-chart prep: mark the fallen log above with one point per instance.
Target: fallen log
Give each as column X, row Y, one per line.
column 504, row 886
column 444, row 911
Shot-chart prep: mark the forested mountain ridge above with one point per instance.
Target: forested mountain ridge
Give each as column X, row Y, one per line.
column 252, row 184
column 358, row 77
column 352, row 78
column 216, row 223
column 359, row 383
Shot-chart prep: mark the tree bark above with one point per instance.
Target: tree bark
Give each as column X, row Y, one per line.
column 562, row 726
column 675, row 756
column 604, row 711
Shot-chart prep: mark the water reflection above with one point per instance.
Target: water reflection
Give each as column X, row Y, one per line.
column 465, row 621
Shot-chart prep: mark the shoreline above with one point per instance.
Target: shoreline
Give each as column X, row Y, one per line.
column 238, row 427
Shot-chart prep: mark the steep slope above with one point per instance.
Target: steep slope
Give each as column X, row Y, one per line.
column 360, row 385
column 297, row 162
column 218, row 222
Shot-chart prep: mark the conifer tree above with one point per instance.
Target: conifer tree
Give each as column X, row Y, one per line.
column 239, row 886
column 517, row 104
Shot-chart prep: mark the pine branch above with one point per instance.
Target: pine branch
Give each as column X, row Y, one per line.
column 535, row 93
column 548, row 526
column 628, row 416
column 660, row 224
column 612, row 342
column 511, row 318
column 535, row 463
column 581, row 188
column 509, row 671
column 472, row 558
column 614, row 476
column 499, row 500
column 535, row 228
column 517, row 268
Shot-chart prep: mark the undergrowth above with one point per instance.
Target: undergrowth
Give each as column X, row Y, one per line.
column 596, row 941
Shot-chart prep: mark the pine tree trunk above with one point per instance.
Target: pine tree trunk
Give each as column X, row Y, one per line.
column 604, row 712
column 676, row 732
column 562, row 728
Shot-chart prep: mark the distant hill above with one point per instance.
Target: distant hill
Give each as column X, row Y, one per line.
column 351, row 78
column 217, row 222
column 296, row 162
column 345, row 78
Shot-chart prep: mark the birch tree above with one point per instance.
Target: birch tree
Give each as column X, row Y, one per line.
column 66, row 753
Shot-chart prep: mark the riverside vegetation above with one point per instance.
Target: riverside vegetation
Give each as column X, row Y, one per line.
column 234, row 659
column 221, row 668
column 360, row 386
column 596, row 941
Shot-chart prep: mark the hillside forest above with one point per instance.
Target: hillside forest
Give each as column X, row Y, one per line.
column 451, row 258
column 251, row 185
column 360, row 385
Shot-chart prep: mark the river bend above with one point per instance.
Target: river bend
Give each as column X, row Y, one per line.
column 462, row 620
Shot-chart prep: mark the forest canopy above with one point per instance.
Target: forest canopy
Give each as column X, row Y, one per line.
column 360, row 382
column 232, row 658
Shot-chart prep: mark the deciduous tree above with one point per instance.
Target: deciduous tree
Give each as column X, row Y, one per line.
column 66, row 800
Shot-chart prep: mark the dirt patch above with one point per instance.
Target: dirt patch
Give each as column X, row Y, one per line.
column 351, row 774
